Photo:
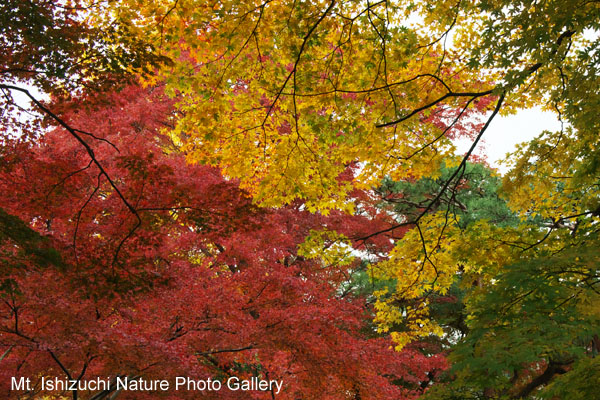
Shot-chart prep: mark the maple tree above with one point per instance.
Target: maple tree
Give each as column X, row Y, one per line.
column 285, row 95
column 322, row 130
column 54, row 46
column 195, row 281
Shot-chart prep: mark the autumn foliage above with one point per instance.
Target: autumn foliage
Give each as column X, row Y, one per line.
column 271, row 190
column 203, row 284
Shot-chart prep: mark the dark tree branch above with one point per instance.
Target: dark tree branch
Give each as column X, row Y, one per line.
column 448, row 182
column 75, row 133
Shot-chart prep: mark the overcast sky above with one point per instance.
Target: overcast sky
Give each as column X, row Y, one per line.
column 504, row 133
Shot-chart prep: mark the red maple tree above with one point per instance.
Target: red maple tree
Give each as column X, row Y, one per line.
column 128, row 261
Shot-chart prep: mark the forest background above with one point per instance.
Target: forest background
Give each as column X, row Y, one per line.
column 221, row 189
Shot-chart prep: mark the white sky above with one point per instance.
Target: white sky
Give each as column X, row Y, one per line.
column 504, row 133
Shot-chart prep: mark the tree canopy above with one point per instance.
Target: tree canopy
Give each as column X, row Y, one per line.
column 271, row 189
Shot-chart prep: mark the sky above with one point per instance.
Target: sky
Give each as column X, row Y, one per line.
column 504, row 133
